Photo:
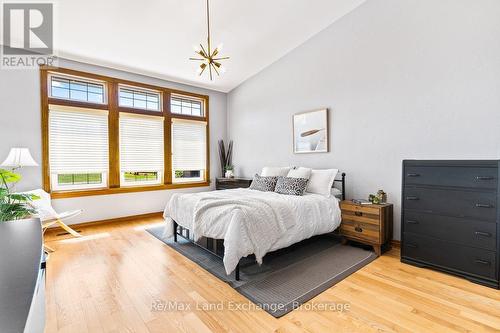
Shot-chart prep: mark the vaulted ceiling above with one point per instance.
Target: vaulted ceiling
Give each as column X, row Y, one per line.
column 156, row 37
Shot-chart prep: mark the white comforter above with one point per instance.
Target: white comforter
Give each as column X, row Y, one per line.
column 250, row 221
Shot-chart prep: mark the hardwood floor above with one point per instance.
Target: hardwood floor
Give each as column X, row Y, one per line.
column 109, row 280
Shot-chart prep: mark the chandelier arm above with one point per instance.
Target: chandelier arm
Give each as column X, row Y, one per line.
column 202, row 70
column 210, row 71
column 223, row 58
column 197, row 59
column 215, row 69
column 208, row 27
column 203, row 52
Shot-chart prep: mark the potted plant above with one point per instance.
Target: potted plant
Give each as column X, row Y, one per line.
column 13, row 206
column 229, row 171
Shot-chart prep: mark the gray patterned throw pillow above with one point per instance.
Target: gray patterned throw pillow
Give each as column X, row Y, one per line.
column 291, row 186
column 266, row 184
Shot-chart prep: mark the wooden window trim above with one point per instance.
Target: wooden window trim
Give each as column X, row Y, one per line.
column 128, row 189
column 112, row 105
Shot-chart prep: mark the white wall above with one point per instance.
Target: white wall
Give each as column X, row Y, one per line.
column 402, row 79
column 20, row 126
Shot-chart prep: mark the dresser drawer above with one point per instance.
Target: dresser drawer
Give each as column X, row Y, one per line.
column 458, row 203
column 459, row 230
column 472, row 177
column 360, row 230
column 448, row 255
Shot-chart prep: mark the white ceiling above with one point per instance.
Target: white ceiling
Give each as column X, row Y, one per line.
column 156, row 37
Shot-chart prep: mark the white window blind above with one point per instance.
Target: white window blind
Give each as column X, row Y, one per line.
column 141, row 143
column 189, row 145
column 78, row 140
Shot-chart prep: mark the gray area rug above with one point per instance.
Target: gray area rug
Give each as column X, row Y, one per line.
column 288, row 277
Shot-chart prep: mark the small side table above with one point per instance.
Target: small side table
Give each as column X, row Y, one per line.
column 367, row 224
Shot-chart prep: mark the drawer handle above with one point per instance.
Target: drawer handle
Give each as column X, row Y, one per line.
column 480, row 205
column 413, row 175
column 412, row 198
column 484, row 178
column 482, row 233
column 411, row 221
column 412, row 245
column 358, row 229
column 483, row 262
column 358, row 213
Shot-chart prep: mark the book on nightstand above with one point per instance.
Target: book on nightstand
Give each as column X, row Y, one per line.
column 361, row 202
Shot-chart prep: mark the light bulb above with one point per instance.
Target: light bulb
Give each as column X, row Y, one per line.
column 196, row 48
column 220, row 46
column 222, row 69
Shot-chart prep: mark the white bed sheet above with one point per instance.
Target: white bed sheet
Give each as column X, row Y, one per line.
column 312, row 214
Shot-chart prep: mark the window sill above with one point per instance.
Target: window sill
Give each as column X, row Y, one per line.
column 131, row 189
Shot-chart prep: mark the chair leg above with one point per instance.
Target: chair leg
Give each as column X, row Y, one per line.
column 68, row 229
column 48, row 249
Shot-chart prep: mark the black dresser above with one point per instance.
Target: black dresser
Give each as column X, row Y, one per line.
column 450, row 217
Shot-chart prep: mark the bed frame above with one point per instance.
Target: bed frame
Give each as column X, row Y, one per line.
column 216, row 246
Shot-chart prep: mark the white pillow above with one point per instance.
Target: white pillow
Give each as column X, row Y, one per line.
column 321, row 181
column 336, row 192
column 275, row 171
column 300, row 173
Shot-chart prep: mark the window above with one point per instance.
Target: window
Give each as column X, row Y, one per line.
column 186, row 106
column 77, row 89
column 141, row 149
column 131, row 97
column 104, row 135
column 78, row 148
column 189, row 150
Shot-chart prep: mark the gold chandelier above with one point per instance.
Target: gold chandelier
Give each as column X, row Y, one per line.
column 209, row 58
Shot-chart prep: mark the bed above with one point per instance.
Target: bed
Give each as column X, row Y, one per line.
column 235, row 223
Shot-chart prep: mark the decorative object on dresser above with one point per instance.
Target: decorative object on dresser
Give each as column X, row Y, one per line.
column 310, row 132
column 229, row 183
column 225, row 158
column 450, row 219
column 367, row 224
column 229, row 171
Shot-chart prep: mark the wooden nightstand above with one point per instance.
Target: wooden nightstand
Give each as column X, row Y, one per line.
column 367, row 224
column 229, row 183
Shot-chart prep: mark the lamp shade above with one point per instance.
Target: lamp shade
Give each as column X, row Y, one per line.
column 19, row 157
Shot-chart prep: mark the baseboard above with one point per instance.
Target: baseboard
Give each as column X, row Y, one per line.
column 396, row 243
column 108, row 221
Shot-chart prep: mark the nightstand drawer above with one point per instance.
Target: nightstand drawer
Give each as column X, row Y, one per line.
column 365, row 231
column 361, row 217
column 366, row 209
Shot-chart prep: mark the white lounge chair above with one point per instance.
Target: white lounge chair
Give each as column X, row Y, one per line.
column 48, row 216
